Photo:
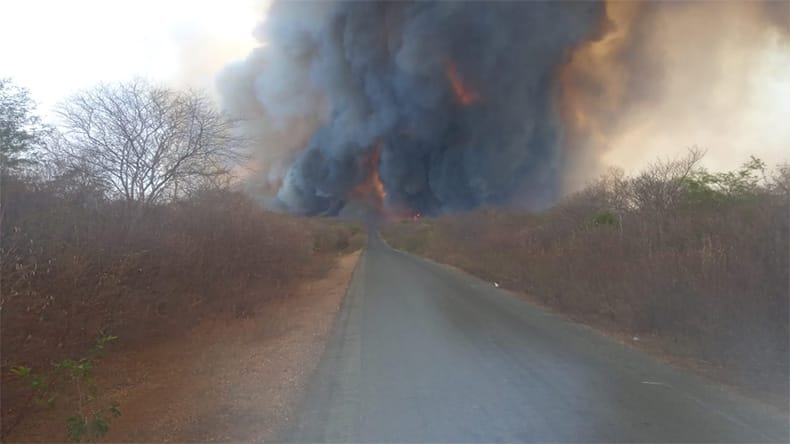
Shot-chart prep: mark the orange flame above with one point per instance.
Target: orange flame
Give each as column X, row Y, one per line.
column 371, row 190
column 465, row 95
column 378, row 187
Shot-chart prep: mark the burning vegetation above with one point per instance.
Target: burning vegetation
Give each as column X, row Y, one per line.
column 370, row 190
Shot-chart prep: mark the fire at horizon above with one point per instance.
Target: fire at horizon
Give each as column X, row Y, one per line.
column 371, row 190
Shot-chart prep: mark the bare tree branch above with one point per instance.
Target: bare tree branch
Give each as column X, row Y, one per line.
column 147, row 142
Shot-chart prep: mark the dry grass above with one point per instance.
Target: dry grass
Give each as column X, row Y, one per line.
column 74, row 265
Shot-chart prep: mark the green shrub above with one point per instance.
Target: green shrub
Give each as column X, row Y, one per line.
column 72, row 380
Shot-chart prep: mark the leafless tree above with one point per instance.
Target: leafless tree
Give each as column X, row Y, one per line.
column 662, row 185
column 144, row 142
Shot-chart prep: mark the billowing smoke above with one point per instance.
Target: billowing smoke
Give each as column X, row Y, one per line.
column 444, row 106
column 457, row 101
column 665, row 76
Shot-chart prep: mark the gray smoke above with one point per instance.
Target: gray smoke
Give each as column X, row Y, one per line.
column 334, row 81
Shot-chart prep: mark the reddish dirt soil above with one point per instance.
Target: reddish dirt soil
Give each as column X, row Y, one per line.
column 236, row 380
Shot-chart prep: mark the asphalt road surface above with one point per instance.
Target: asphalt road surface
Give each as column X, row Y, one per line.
column 423, row 353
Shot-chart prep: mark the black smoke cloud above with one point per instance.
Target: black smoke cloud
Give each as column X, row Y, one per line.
column 367, row 75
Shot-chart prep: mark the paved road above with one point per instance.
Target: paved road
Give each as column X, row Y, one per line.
column 421, row 353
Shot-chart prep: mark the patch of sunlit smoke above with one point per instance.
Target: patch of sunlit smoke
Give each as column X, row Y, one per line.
column 593, row 90
column 665, row 76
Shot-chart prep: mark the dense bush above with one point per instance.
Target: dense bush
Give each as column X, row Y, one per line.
column 75, row 264
column 121, row 220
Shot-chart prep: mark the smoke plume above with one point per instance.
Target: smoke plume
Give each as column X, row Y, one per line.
column 438, row 107
column 665, row 76
column 456, row 101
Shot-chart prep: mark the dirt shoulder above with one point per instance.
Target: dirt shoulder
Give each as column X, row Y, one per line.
column 235, row 380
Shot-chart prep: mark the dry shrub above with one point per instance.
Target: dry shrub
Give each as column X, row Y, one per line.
column 708, row 277
column 74, row 264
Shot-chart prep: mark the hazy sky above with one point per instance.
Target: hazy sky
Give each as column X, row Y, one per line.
column 56, row 47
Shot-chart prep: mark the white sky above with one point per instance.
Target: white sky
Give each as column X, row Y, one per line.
column 56, row 47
